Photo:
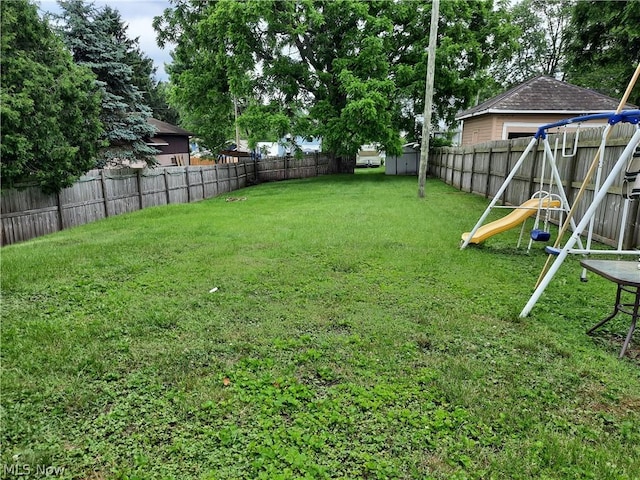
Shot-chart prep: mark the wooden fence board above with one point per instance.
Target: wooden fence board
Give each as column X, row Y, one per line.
column 210, row 178
column 224, row 185
column 82, row 203
column 154, row 188
column 176, row 185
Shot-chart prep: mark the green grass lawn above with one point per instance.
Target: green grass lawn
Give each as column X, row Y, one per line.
column 348, row 337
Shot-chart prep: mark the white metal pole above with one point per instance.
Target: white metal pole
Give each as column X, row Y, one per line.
column 603, row 143
column 623, row 222
column 597, row 184
column 615, row 171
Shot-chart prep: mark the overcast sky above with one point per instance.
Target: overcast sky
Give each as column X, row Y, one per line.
column 138, row 15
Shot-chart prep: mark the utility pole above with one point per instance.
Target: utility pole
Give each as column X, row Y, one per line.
column 428, row 97
column 235, row 113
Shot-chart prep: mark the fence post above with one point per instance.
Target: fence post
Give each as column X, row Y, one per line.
column 453, row 169
column 255, row 171
column 139, row 179
column 60, row 214
column 186, row 173
column 217, row 181
column 488, row 183
column 473, row 167
column 166, row 186
column 507, row 170
column 204, row 193
column 532, row 176
column 632, row 237
column 104, row 193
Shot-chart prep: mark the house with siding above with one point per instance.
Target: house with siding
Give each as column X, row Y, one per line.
column 172, row 142
column 519, row 112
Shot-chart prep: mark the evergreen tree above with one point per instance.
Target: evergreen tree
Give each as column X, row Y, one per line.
column 50, row 106
column 154, row 93
column 97, row 39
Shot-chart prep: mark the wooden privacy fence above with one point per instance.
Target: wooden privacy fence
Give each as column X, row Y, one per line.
column 28, row 213
column 482, row 169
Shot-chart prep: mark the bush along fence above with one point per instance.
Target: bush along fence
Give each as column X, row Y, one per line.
column 482, row 169
column 28, row 213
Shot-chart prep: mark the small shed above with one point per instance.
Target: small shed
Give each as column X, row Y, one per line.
column 172, row 142
column 406, row 164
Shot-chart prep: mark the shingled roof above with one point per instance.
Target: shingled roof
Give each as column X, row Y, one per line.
column 545, row 95
column 164, row 128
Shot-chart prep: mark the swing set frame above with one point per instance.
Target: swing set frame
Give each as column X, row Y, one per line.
column 601, row 188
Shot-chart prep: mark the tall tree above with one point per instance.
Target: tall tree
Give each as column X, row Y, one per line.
column 97, row 39
column 470, row 35
column 154, row 94
column 351, row 72
column 604, row 46
column 49, row 106
column 542, row 42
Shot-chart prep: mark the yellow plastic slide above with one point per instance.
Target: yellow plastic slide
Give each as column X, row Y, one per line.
column 515, row 218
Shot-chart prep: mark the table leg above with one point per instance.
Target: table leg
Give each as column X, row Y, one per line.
column 634, row 319
column 615, row 311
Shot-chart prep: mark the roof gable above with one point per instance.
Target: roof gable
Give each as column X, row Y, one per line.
column 545, row 95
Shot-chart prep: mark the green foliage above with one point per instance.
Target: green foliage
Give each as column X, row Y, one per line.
column 441, row 141
column 348, row 338
column 539, row 45
column 351, row 72
column 49, row 105
column 158, row 100
column 589, row 43
column 470, row 35
column 604, row 46
column 154, row 94
column 98, row 40
column 260, row 123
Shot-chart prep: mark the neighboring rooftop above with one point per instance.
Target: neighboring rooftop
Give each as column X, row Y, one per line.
column 548, row 95
column 164, row 128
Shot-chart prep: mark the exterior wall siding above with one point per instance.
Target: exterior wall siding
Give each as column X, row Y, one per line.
column 477, row 130
column 487, row 128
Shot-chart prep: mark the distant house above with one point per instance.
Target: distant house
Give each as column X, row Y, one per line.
column 285, row 146
column 520, row 111
column 173, row 143
column 307, row 146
